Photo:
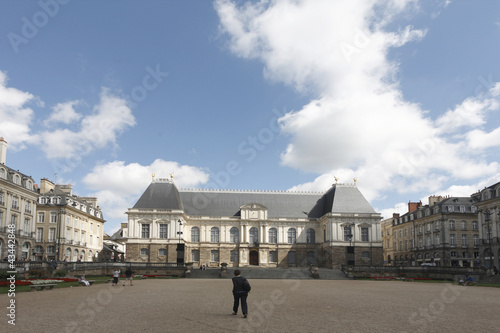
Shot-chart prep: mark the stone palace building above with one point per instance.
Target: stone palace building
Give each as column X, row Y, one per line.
column 258, row 228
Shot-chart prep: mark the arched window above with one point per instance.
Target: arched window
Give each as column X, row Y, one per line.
column 214, row 235
column 254, row 236
column 2, row 173
column 17, row 180
column 273, row 236
column 311, row 236
column 292, row 236
column 67, row 254
column 195, row 234
column 234, row 235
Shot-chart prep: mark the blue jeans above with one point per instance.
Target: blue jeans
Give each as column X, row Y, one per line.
column 243, row 297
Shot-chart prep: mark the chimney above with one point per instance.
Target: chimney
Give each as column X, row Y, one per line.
column 46, row 185
column 3, row 151
column 414, row 206
column 68, row 189
column 433, row 199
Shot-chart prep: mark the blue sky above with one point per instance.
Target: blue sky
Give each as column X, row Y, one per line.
column 261, row 95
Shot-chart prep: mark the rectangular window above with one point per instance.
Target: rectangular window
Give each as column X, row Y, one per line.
column 163, row 230
column 53, row 217
column 273, row 256
column 214, row 255
column 348, row 234
column 52, row 234
column 144, row 252
column 90, row 239
column 145, row 231
column 464, row 240
column 453, row 240
column 475, row 225
column 39, row 235
column 41, row 217
column 195, row 255
column 214, row 235
column 364, row 234
column 15, row 203
column 13, row 220
column 195, row 235
column 476, row 240
column 234, row 256
column 463, row 225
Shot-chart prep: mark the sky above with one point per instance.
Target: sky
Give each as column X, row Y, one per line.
column 403, row 95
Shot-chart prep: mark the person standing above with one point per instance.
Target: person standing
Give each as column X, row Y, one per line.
column 116, row 275
column 241, row 287
column 128, row 275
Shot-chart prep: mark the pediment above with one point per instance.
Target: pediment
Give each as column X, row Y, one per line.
column 253, row 206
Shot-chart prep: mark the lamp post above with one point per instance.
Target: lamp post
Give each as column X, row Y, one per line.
column 179, row 232
column 180, row 247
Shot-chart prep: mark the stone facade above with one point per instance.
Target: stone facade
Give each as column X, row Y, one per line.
column 488, row 203
column 18, row 197
column 251, row 228
column 68, row 227
column 443, row 233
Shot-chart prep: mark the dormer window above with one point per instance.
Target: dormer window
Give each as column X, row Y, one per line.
column 2, row 173
column 17, row 180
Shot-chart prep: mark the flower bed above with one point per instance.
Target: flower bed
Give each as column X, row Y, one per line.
column 50, row 281
column 17, row 283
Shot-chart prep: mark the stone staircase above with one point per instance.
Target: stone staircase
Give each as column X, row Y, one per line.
column 270, row 273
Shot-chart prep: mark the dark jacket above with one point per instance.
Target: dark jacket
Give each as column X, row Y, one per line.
column 240, row 285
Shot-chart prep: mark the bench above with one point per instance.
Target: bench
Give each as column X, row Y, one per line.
column 382, row 278
column 91, row 282
column 468, row 283
column 42, row 286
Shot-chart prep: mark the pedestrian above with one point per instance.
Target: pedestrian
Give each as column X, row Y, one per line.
column 241, row 288
column 116, row 275
column 128, row 275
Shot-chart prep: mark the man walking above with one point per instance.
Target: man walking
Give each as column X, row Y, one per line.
column 128, row 275
column 241, row 287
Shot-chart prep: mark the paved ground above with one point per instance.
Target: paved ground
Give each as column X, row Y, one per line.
column 194, row 305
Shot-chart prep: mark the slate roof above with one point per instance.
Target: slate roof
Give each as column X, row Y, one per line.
column 338, row 199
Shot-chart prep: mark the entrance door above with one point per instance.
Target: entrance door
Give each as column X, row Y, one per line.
column 254, row 258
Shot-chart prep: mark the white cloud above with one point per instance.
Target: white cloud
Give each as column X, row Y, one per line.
column 110, row 117
column 118, row 185
column 15, row 116
column 359, row 124
column 63, row 113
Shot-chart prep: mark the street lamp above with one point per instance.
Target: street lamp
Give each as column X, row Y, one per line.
column 179, row 232
column 180, row 247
